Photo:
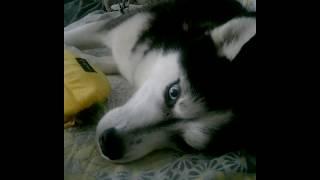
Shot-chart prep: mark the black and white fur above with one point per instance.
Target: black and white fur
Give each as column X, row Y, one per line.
column 188, row 65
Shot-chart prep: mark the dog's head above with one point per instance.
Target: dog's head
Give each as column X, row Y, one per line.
column 189, row 92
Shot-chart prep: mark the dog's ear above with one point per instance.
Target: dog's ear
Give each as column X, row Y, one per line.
column 231, row 36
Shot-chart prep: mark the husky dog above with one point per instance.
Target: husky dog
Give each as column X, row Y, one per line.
column 190, row 69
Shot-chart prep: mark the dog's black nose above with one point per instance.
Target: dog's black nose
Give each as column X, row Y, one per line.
column 111, row 144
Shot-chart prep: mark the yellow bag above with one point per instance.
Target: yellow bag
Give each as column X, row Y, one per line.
column 84, row 85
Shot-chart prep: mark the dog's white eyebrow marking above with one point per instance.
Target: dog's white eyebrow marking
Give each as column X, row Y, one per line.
column 189, row 105
column 158, row 67
column 195, row 132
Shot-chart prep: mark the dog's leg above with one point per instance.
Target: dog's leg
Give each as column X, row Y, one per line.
column 86, row 36
column 105, row 63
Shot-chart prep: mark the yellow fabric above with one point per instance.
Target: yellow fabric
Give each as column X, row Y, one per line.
column 82, row 88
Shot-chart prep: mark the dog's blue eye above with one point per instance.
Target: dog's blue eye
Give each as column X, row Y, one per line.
column 174, row 92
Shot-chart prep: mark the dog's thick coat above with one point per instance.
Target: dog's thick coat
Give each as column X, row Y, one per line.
column 190, row 71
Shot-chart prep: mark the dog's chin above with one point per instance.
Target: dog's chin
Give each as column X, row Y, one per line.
column 124, row 159
column 118, row 161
